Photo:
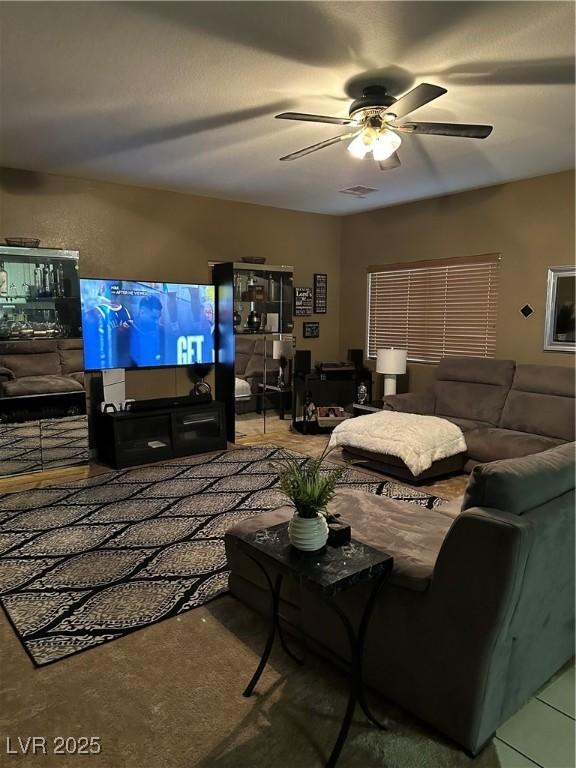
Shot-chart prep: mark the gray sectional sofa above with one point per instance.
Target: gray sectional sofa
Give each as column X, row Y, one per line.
column 249, row 367
column 505, row 410
column 41, row 367
column 479, row 611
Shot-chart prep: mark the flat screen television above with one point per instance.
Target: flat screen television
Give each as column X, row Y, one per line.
column 135, row 324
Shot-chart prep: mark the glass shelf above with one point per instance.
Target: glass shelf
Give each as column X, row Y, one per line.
column 260, row 301
column 40, row 287
column 28, row 300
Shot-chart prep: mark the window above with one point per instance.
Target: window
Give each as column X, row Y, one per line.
column 434, row 309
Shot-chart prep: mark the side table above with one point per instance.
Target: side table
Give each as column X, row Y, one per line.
column 372, row 406
column 328, row 573
column 284, row 395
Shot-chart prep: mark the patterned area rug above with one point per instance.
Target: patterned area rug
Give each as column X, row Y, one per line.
column 86, row 562
column 43, row 444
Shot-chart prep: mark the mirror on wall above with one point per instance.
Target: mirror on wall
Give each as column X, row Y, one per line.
column 560, row 310
column 263, row 326
column 42, row 396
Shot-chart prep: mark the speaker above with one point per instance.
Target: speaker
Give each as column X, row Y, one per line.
column 302, row 361
column 356, row 356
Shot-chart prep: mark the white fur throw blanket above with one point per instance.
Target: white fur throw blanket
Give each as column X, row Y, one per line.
column 417, row 440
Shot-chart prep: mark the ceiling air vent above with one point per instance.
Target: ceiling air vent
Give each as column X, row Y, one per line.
column 358, row 191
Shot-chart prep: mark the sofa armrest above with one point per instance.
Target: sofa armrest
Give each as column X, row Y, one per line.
column 6, row 374
column 485, row 551
column 411, row 402
column 474, row 597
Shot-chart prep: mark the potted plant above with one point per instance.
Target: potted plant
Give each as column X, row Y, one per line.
column 309, row 488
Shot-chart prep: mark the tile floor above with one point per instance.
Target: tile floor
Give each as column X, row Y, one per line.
column 543, row 732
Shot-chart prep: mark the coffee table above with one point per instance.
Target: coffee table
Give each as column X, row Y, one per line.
column 327, row 573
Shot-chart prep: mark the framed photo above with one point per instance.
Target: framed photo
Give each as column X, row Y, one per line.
column 311, row 330
column 559, row 330
column 331, row 411
column 320, row 293
column 302, row 301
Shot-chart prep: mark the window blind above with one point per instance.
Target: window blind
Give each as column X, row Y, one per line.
column 434, row 309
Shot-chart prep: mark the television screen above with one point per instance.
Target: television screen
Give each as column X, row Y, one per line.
column 133, row 324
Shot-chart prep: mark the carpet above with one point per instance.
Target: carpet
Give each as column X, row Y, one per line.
column 43, row 444
column 83, row 563
column 171, row 697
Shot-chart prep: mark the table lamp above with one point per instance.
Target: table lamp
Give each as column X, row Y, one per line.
column 390, row 362
column 282, row 351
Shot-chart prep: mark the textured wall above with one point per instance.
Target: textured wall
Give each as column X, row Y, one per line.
column 131, row 232
column 530, row 222
column 127, row 231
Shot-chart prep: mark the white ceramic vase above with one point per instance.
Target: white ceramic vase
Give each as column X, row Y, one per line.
column 308, row 533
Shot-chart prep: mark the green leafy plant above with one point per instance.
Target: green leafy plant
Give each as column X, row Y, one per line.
column 306, row 484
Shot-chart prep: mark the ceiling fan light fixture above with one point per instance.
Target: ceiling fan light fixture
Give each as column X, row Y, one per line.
column 360, row 146
column 372, row 118
column 385, row 145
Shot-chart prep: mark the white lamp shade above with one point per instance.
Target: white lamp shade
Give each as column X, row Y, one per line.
column 391, row 361
column 282, row 348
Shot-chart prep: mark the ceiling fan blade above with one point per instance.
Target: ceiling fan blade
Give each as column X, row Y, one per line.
column 450, row 129
column 415, row 99
column 313, row 118
column 391, row 162
column 320, row 145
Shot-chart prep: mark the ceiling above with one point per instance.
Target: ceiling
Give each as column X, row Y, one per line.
column 183, row 95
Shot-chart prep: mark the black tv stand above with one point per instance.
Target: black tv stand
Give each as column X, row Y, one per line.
column 127, row 438
column 170, row 402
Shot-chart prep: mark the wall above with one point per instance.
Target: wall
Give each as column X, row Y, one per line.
column 530, row 222
column 124, row 231
column 152, row 234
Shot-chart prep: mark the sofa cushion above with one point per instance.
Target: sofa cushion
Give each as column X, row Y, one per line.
column 79, row 377
column 493, row 443
column 42, row 364
column 255, row 366
column 71, row 359
column 519, row 485
column 40, row 385
column 31, row 347
column 70, row 344
column 472, row 388
column 466, row 424
column 411, row 402
column 541, row 401
column 244, row 348
column 410, row 533
column 6, row 373
column 476, row 370
column 250, row 361
column 241, row 363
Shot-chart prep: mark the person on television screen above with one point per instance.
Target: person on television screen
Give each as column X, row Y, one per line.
column 116, row 314
column 207, row 325
column 117, row 323
column 147, row 337
column 193, row 336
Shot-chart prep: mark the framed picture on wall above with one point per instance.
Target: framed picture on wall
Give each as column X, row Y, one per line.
column 302, row 301
column 310, row 330
column 559, row 328
column 320, row 293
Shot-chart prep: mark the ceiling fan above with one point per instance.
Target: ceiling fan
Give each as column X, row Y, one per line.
column 373, row 118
